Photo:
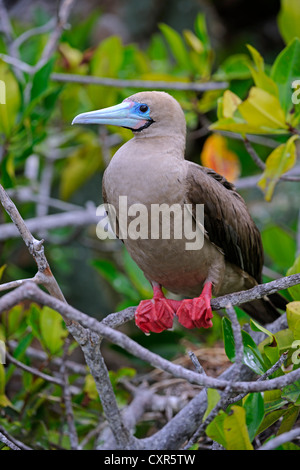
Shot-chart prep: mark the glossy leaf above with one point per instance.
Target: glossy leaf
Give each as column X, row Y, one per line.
column 285, row 70
column 261, row 109
column 279, row 161
column 251, row 357
column 235, row 430
column 216, row 155
column 254, row 408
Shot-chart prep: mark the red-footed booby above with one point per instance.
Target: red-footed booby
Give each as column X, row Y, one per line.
column 150, row 169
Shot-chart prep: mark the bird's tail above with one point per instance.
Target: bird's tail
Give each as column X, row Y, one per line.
column 266, row 309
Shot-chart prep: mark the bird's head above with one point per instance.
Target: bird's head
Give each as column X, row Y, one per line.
column 149, row 113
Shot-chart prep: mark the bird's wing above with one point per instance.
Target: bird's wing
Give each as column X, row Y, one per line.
column 227, row 221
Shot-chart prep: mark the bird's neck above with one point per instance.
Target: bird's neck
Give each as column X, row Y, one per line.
column 173, row 145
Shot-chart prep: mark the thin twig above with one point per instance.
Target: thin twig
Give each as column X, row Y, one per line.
column 34, row 371
column 257, row 160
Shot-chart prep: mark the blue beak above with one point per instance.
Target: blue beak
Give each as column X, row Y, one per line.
column 125, row 114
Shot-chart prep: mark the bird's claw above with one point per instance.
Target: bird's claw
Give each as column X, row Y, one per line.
column 196, row 313
column 154, row 315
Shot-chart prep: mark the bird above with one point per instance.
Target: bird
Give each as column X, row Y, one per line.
column 150, row 169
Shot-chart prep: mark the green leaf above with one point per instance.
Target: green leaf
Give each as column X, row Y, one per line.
column 215, row 429
column 14, row 319
column 136, row 276
column 2, row 269
column 292, row 392
column 228, row 104
column 254, row 408
column 270, row 419
column 10, row 99
column 285, row 70
column 201, row 30
column 261, row 109
column 40, row 80
column 117, row 279
column 234, row 67
column 52, row 330
column 176, row 45
column 213, row 398
column 4, row 401
column 242, row 127
column 261, row 79
column 289, row 19
column 289, row 419
column 279, row 161
column 81, row 164
column 251, row 357
column 295, row 269
column 235, row 430
column 275, row 237
column 293, row 318
column 90, row 387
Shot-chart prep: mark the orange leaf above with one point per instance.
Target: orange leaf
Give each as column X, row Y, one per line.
column 216, row 155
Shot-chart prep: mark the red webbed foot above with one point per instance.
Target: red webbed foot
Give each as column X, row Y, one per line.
column 197, row 313
column 155, row 315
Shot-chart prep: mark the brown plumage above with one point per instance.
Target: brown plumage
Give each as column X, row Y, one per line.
column 151, row 169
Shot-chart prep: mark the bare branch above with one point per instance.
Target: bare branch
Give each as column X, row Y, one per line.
column 68, row 399
column 34, row 246
column 257, row 292
column 135, row 83
column 63, row 15
column 90, row 346
column 11, row 442
column 74, row 218
column 32, row 292
column 281, row 439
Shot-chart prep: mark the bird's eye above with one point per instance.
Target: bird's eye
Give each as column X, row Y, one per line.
column 143, row 108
